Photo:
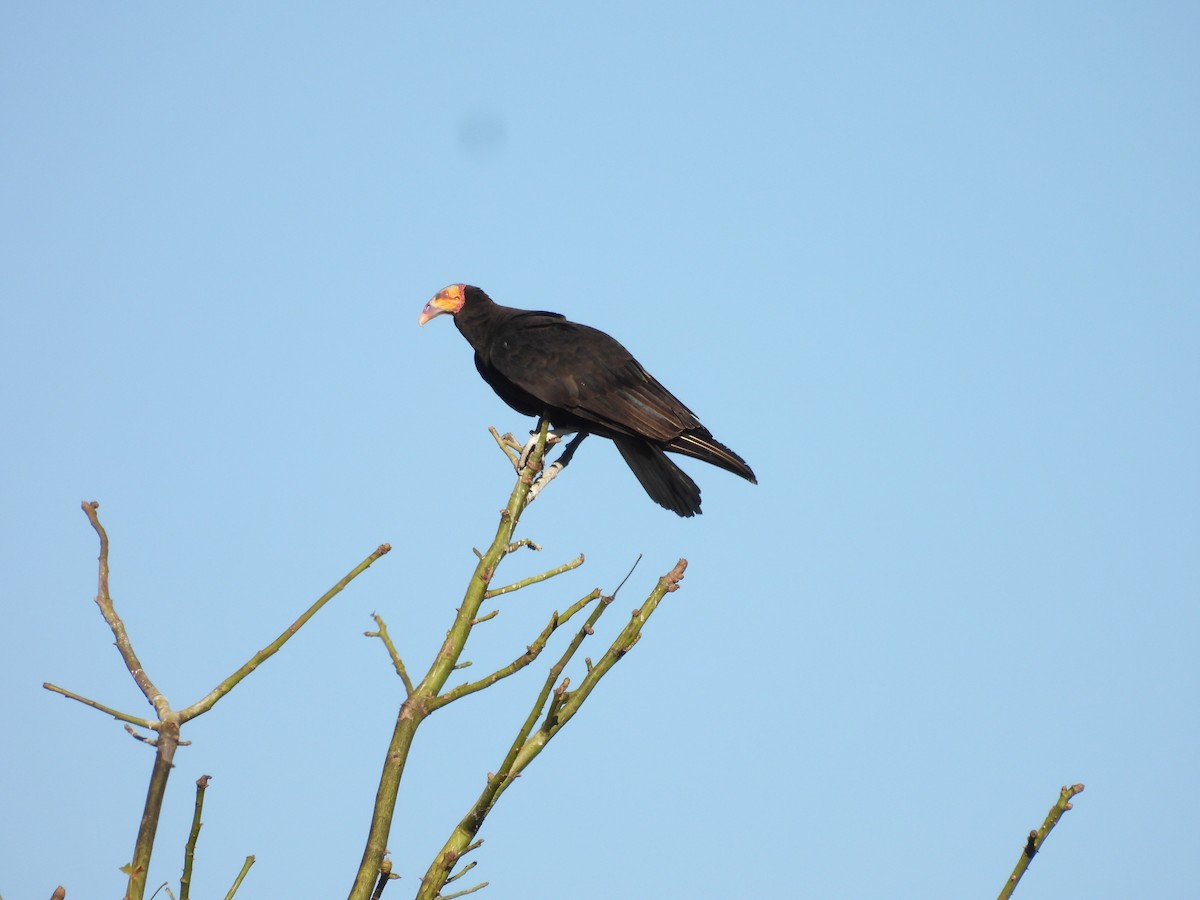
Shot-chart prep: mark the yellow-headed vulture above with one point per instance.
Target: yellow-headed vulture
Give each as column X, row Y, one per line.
column 579, row 378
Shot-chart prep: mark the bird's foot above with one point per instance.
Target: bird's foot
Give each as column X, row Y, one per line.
column 552, row 438
column 547, row 476
column 552, row 470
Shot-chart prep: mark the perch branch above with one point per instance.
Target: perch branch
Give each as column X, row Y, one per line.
column 417, row 705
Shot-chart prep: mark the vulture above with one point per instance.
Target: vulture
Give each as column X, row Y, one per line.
column 580, row 379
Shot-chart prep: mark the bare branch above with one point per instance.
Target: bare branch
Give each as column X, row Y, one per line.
column 508, row 444
column 417, row 705
column 471, row 890
column 517, row 585
column 116, row 714
column 189, row 851
column 237, row 882
column 397, row 663
column 1038, row 837
column 559, row 705
column 467, row 868
column 105, row 602
column 206, row 703
column 531, row 653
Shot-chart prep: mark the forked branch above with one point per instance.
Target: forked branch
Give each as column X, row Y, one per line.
column 168, row 720
column 553, row 707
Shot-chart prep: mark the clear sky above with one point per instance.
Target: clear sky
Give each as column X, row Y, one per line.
column 931, row 268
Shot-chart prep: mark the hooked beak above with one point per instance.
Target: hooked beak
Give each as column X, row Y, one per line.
column 449, row 300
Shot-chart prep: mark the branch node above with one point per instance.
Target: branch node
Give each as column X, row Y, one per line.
column 140, row 737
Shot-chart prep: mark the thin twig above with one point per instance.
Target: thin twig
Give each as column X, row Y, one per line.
column 189, row 851
column 169, row 721
column 397, row 663
column 119, row 716
column 531, row 653
column 623, row 643
column 471, row 890
column 467, row 868
column 563, row 704
column 1037, row 838
column 506, row 443
column 525, row 582
column 237, row 883
column 206, row 703
column 105, row 602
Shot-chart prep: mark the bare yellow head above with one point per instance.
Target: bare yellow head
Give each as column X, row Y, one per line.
column 448, row 300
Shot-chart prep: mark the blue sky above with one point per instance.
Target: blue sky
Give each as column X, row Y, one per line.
column 932, row 270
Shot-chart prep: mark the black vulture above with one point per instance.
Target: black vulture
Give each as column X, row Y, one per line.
column 541, row 364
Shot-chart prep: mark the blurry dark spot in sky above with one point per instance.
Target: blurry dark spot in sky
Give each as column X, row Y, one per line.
column 482, row 134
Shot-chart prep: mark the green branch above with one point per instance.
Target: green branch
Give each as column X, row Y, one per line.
column 531, row 653
column 517, row 585
column 420, row 701
column 397, row 663
column 119, row 716
column 559, row 706
column 1036, row 838
column 189, row 851
column 237, row 882
column 208, row 701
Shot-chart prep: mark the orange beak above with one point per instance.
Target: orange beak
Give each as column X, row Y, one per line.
column 448, row 300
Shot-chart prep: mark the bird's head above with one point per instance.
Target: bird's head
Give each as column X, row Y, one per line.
column 448, row 300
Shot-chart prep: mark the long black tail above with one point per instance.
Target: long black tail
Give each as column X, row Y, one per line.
column 667, row 484
column 700, row 444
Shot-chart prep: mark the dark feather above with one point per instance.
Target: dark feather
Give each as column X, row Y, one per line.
column 542, row 364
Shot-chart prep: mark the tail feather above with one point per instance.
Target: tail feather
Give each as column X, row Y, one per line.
column 700, row 444
column 667, row 484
